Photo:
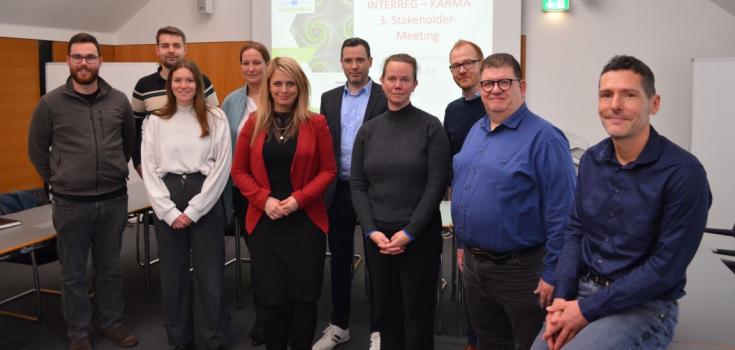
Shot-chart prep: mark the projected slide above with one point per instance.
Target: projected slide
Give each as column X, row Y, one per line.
column 312, row 31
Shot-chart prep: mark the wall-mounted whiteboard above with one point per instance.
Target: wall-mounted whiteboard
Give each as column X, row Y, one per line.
column 120, row 75
column 713, row 129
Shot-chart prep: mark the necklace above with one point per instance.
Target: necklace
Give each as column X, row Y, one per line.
column 282, row 131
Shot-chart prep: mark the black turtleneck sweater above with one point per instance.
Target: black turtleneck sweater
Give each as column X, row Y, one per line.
column 400, row 169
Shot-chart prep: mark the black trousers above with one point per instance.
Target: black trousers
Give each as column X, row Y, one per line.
column 291, row 323
column 500, row 302
column 341, row 238
column 405, row 290
column 193, row 302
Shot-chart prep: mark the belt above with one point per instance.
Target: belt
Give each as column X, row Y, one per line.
column 92, row 198
column 602, row 281
column 499, row 258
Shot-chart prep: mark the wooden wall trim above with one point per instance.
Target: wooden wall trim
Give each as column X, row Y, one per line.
column 523, row 56
column 60, row 49
column 19, row 65
column 218, row 61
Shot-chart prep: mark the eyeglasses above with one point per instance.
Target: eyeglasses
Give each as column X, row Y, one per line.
column 467, row 65
column 503, row 84
column 88, row 58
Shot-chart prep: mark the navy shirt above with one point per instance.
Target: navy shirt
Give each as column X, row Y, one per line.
column 459, row 116
column 513, row 187
column 637, row 224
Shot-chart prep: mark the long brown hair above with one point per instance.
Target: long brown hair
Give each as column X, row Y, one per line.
column 200, row 106
column 300, row 108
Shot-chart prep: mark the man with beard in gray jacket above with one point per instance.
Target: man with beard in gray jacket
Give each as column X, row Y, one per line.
column 80, row 141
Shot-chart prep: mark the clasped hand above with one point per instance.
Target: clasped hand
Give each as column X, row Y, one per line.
column 393, row 246
column 276, row 209
column 564, row 320
column 181, row 222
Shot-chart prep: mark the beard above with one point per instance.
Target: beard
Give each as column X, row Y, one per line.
column 91, row 78
column 169, row 65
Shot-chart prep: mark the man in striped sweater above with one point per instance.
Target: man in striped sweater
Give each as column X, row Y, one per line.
column 150, row 91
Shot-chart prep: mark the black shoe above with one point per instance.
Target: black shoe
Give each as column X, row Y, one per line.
column 183, row 347
column 256, row 339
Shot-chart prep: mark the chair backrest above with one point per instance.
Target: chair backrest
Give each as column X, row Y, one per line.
column 16, row 201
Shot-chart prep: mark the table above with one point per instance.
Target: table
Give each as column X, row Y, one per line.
column 37, row 228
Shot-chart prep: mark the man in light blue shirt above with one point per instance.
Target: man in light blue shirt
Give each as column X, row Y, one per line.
column 353, row 113
column 347, row 108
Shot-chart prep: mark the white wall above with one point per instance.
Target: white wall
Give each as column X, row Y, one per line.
column 9, row 30
column 229, row 22
column 566, row 51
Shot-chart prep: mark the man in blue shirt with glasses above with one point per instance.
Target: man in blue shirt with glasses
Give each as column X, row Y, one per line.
column 640, row 212
column 512, row 193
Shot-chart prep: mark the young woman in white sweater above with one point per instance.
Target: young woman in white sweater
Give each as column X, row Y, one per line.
column 186, row 162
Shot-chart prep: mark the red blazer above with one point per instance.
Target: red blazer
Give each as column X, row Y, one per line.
column 312, row 170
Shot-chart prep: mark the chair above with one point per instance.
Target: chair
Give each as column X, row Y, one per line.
column 726, row 252
column 34, row 255
column 235, row 230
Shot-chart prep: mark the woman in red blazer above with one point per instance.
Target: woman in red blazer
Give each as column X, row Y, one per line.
column 283, row 163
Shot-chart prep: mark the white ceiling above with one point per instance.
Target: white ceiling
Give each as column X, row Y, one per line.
column 83, row 15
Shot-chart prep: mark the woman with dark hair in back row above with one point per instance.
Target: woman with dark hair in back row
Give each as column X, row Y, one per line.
column 238, row 105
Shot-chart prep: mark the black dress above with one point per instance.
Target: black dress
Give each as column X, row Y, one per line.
column 287, row 253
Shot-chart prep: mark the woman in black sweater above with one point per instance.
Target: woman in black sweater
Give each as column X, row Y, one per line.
column 400, row 169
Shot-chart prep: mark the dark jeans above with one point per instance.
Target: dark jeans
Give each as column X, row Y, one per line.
column 500, row 302
column 193, row 302
column 341, row 238
column 405, row 290
column 82, row 226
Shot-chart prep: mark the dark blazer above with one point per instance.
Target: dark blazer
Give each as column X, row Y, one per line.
column 312, row 170
column 331, row 107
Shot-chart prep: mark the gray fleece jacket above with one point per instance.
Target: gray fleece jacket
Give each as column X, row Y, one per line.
column 82, row 149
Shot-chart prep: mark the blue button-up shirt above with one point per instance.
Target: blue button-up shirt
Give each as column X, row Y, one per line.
column 513, row 187
column 637, row 224
column 353, row 113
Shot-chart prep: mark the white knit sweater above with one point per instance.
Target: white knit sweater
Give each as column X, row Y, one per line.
column 175, row 146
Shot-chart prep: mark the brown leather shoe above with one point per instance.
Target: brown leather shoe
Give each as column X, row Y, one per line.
column 470, row 347
column 80, row 344
column 121, row 336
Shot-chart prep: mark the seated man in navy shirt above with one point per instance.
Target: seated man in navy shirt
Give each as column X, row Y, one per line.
column 640, row 211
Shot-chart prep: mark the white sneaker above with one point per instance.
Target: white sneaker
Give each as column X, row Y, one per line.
column 374, row 341
column 333, row 335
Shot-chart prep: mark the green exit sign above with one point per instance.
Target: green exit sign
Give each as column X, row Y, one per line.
column 554, row 5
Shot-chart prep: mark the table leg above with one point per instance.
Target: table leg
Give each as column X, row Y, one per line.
column 147, row 253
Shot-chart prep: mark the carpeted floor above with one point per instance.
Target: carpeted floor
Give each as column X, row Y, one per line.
column 146, row 319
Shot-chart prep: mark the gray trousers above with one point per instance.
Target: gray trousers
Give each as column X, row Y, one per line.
column 82, row 226
column 193, row 302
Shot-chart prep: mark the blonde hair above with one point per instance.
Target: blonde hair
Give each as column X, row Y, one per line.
column 300, row 108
